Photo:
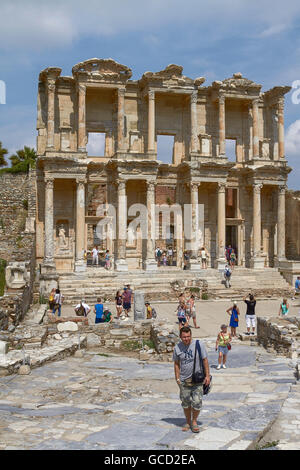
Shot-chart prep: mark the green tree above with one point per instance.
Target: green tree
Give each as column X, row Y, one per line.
column 3, row 152
column 23, row 159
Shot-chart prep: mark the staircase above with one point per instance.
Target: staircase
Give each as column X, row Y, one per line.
column 97, row 282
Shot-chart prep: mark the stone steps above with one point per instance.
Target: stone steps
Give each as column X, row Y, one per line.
column 95, row 283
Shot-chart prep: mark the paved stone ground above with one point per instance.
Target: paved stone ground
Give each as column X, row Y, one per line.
column 210, row 314
column 111, row 402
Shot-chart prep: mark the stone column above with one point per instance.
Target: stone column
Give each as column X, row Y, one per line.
column 194, row 126
column 255, row 144
column 49, row 242
column 150, row 263
column 121, row 115
column 81, row 131
column 222, row 149
column 50, row 117
column 120, row 263
column 80, row 264
column 281, row 224
column 221, row 260
column 179, row 229
column 151, row 122
column 257, row 261
column 281, row 128
column 194, row 262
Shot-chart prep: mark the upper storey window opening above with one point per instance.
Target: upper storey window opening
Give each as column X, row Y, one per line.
column 231, row 149
column 165, row 147
column 96, row 144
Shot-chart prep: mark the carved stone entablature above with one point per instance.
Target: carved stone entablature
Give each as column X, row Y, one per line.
column 170, row 76
column 238, row 83
column 103, row 70
column 49, row 73
column 275, row 94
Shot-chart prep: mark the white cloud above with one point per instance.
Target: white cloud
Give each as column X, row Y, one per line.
column 292, row 139
column 39, row 23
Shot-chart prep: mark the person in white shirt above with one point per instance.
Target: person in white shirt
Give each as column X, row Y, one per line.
column 203, row 253
column 95, row 254
column 82, row 309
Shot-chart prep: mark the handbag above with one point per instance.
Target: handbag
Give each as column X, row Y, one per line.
column 198, row 376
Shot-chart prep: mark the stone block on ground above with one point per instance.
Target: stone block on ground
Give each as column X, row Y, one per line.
column 3, row 347
column 67, row 326
column 24, row 370
column 139, row 306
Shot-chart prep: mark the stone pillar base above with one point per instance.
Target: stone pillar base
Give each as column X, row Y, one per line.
column 220, row 264
column 195, row 265
column 278, row 261
column 150, row 265
column 80, row 266
column 257, row 262
column 121, row 265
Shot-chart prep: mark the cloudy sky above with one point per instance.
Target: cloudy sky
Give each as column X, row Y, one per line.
column 212, row 38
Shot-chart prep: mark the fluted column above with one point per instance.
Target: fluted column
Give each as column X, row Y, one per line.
column 81, row 132
column 281, row 224
column 49, row 242
column 257, row 260
column 121, row 264
column 150, row 264
column 194, row 261
column 222, row 148
column 121, row 114
column 281, row 128
column 151, row 121
column 179, row 229
column 194, row 126
column 221, row 225
column 255, row 144
column 80, row 226
column 50, row 114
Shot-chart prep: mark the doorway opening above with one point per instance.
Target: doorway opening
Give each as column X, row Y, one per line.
column 231, row 239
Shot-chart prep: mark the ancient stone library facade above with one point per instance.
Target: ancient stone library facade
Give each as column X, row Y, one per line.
column 245, row 201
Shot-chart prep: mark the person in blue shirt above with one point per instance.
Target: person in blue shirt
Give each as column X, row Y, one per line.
column 297, row 287
column 99, row 311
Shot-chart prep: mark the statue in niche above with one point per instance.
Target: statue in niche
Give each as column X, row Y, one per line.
column 62, row 237
column 131, row 239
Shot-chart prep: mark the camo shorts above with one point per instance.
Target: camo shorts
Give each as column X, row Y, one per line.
column 191, row 396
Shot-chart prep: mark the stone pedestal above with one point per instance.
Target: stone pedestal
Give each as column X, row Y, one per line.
column 139, row 306
column 195, row 265
column 121, row 265
column 258, row 262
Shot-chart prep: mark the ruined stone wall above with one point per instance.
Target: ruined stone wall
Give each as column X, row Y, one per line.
column 293, row 225
column 280, row 335
column 17, row 203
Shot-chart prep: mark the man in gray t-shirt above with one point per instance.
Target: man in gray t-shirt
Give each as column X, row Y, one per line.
column 190, row 394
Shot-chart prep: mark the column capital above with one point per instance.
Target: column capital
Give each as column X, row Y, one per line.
column 282, row 189
column 51, row 85
column 255, row 102
column 121, row 92
column 49, row 182
column 81, row 88
column 221, row 186
column 257, row 187
column 121, row 184
column 221, row 98
column 280, row 103
column 80, row 181
column 151, row 94
column 194, row 97
column 151, row 185
column 194, row 185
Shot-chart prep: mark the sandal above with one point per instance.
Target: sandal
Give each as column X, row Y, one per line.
column 195, row 428
column 186, row 427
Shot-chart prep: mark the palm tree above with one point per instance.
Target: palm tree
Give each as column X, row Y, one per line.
column 3, row 152
column 25, row 158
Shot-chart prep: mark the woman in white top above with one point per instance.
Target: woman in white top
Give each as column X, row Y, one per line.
column 203, row 257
